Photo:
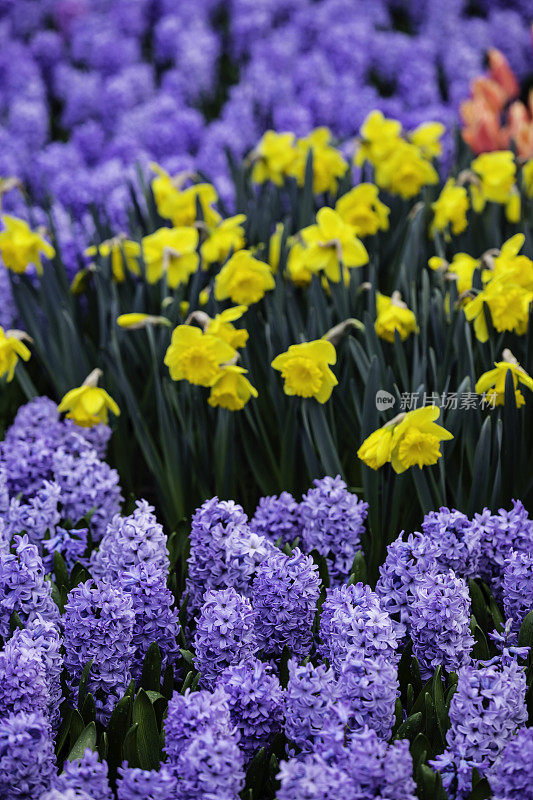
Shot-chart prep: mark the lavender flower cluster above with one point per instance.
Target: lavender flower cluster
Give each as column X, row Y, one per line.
column 89, row 89
column 280, row 660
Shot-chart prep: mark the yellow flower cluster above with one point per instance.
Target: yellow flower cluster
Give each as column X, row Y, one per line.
column 305, row 369
column 88, row 404
column 393, row 315
column 402, row 164
column 492, row 383
column 495, row 175
column 11, row 349
column 207, row 358
column 450, row 209
column 281, row 155
column 507, row 281
column 410, row 439
column 20, row 246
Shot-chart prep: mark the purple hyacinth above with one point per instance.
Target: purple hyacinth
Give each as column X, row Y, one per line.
column 98, row 624
column 500, row 533
column 518, row 587
column 140, row 784
column 332, row 520
column 27, row 762
column 223, row 550
column 38, row 516
column 225, row 633
column 277, row 518
column 255, row 699
column 457, row 539
column 71, row 544
column 352, row 619
column 369, row 688
column 156, row 620
column 23, row 587
column 313, row 778
column 311, row 694
column 285, row 595
column 65, row 794
column 191, row 714
column 86, row 774
column 131, row 540
column 485, row 712
column 44, row 635
column 406, row 558
column 210, row 764
column 23, row 683
column 512, row 776
column 87, row 484
column 439, row 616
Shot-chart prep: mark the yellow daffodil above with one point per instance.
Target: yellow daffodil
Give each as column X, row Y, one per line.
column 405, row 171
column 492, row 383
column 427, row 137
column 243, row 279
column 20, row 246
column 232, row 389
column 527, row 177
column 363, row 210
column 496, row 172
column 88, row 405
column 328, row 163
column 136, row 320
column 297, row 269
column 273, row 157
column 517, row 269
column 180, row 205
column 11, row 349
column 171, row 252
column 196, row 356
column 332, row 244
column 508, row 304
column 227, row 236
column 393, row 315
column 410, row 439
column 450, row 209
column 461, row 269
column 305, row 371
column 379, row 137
column 221, row 327
column 122, row 252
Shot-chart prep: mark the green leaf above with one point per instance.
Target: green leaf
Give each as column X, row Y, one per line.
column 60, row 570
column 129, row 750
column 525, row 635
column 15, row 622
column 440, row 707
column 358, row 571
column 117, row 729
column 151, row 672
column 82, row 689
column 88, row 710
column 411, row 727
column 148, row 741
column 87, row 739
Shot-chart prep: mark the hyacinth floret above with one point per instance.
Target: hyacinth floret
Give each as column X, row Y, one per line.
column 285, row 593
column 98, row 625
column 406, row 558
column 131, row 540
column 486, row 710
column 44, row 634
column 27, row 762
column 255, row 699
column 38, row 516
column 23, row 680
column 211, row 765
column 192, row 713
column 23, row 587
column 277, row 519
column 310, row 696
column 155, row 618
column 458, row 539
column 352, row 619
column 512, row 775
column 332, row 521
column 500, row 533
column 518, row 587
column 140, row 784
column 369, row 688
column 439, row 616
column 86, row 774
column 218, row 530
column 225, row 633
